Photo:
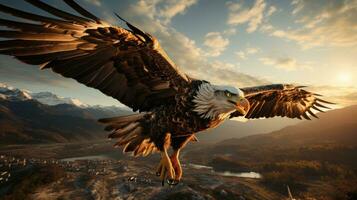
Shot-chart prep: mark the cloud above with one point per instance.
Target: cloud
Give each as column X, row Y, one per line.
column 271, row 11
column 219, row 65
column 143, row 8
column 95, row 2
column 229, row 32
column 241, row 55
column 216, row 43
column 252, row 50
column 184, row 51
column 226, row 73
column 174, row 7
column 330, row 24
column 266, row 28
column 248, row 51
column 285, row 63
column 299, row 5
column 178, row 46
column 162, row 10
column 253, row 16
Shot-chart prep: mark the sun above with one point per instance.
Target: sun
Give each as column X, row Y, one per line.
column 344, row 77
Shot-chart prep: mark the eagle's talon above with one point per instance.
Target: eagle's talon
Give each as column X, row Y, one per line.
column 165, row 169
column 177, row 167
column 173, row 182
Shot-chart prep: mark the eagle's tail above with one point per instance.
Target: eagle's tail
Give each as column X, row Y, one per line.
column 129, row 131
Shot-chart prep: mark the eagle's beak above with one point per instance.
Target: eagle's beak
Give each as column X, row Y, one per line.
column 243, row 106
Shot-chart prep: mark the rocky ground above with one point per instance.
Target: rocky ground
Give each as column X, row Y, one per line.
column 132, row 180
column 124, row 178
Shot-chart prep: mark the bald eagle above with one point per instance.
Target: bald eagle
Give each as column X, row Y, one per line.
column 130, row 66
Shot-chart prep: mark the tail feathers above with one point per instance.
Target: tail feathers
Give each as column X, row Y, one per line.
column 122, row 131
column 129, row 133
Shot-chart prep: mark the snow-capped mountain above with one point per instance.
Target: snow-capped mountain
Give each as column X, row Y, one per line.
column 52, row 99
column 48, row 98
column 28, row 117
column 11, row 93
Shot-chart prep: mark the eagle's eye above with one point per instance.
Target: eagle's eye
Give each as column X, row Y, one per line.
column 228, row 94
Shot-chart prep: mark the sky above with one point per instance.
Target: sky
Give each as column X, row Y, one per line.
column 238, row 43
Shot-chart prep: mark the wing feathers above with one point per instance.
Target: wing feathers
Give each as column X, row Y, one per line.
column 8, row 44
column 45, row 58
column 59, row 13
column 39, row 18
column 120, row 63
column 316, row 108
column 82, row 11
column 36, row 36
column 311, row 113
column 40, row 50
column 34, row 28
column 306, row 116
column 282, row 100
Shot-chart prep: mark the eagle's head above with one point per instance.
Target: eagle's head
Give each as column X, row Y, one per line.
column 218, row 102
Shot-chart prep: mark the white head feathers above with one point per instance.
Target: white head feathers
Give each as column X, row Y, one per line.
column 209, row 104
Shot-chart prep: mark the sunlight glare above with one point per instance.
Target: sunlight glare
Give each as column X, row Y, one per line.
column 344, row 77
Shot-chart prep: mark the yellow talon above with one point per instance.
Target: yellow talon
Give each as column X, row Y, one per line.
column 176, row 165
column 165, row 169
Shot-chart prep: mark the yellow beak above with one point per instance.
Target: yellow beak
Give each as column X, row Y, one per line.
column 243, row 106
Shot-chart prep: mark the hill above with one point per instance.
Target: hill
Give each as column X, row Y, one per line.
column 32, row 122
column 334, row 127
column 238, row 129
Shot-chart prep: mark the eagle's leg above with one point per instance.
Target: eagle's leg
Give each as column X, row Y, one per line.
column 176, row 164
column 165, row 169
column 177, row 145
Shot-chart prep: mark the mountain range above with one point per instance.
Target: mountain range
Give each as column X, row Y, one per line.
column 48, row 98
column 27, row 117
column 334, row 127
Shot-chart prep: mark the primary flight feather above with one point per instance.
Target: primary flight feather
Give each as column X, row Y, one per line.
column 130, row 66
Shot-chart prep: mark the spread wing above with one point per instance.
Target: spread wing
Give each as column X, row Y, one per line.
column 282, row 100
column 128, row 65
